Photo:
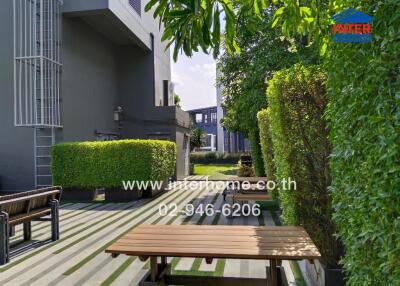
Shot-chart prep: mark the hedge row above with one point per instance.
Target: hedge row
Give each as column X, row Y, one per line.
column 91, row 165
column 364, row 123
column 297, row 101
column 214, row 158
column 266, row 147
column 256, row 153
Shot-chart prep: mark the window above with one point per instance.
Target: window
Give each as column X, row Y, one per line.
column 199, row 118
column 136, row 5
column 205, row 118
column 213, row 117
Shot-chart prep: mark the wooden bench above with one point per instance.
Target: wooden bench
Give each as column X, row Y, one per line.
column 245, row 197
column 236, row 192
column 23, row 208
column 273, row 243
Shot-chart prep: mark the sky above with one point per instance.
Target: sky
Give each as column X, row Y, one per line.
column 194, row 80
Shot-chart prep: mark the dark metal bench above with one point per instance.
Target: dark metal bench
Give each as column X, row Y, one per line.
column 23, row 208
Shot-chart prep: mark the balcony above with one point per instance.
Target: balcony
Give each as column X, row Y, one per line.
column 121, row 21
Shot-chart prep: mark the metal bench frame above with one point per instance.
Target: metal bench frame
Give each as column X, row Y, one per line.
column 7, row 224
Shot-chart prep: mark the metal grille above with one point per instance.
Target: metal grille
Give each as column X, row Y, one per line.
column 37, row 64
column 136, row 5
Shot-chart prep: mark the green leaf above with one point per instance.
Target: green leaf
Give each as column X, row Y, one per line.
column 150, row 5
column 322, row 50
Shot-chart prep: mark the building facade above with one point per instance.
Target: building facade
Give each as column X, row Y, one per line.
column 206, row 119
column 81, row 71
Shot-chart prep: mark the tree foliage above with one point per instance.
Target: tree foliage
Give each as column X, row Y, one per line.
column 243, row 75
column 194, row 25
column 197, row 138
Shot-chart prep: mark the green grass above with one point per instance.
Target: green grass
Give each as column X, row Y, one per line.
column 216, row 171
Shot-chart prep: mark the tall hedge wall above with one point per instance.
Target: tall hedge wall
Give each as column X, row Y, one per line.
column 266, row 146
column 364, row 122
column 297, row 101
column 256, row 154
column 90, row 165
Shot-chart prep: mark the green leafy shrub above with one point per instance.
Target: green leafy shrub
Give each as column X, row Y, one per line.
column 256, row 154
column 364, row 122
column 214, row 158
column 91, row 165
column 267, row 147
column 297, row 101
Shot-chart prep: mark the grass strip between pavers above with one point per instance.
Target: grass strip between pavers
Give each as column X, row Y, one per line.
column 104, row 226
column 110, row 279
column 103, row 248
column 93, row 232
column 12, row 264
column 131, row 259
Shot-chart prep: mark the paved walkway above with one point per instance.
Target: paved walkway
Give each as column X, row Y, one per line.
column 78, row 258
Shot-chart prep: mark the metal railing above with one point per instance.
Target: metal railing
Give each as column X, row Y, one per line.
column 37, row 65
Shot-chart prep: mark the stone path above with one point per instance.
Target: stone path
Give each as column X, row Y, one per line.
column 78, row 258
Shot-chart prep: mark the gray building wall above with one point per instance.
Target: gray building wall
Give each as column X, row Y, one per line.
column 100, row 72
column 16, row 144
column 89, row 81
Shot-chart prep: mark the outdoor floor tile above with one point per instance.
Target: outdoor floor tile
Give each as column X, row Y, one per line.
column 79, row 258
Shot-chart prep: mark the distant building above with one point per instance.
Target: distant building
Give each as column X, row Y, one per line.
column 229, row 142
column 206, row 119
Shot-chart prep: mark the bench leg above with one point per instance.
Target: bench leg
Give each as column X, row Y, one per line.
column 12, row 231
column 55, row 225
column 27, row 231
column 153, row 268
column 4, row 238
column 272, row 273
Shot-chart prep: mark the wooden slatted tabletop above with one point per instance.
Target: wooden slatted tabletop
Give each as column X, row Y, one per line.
column 217, row 241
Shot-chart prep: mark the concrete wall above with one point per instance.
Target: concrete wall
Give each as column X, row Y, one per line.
column 89, row 82
column 16, row 144
column 122, row 24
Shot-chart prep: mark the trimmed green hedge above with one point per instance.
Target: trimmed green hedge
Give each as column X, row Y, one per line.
column 364, row 123
column 256, row 154
column 267, row 147
column 297, row 101
column 214, row 158
column 91, row 165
